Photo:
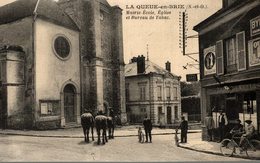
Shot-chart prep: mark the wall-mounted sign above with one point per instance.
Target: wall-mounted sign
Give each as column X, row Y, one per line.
column 254, row 52
column 191, row 77
column 255, row 26
column 209, row 60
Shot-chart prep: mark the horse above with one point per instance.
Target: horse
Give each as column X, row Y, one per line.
column 87, row 122
column 101, row 124
column 111, row 127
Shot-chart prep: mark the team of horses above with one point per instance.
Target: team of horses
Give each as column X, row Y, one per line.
column 102, row 124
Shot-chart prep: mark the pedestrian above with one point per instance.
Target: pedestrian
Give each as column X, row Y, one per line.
column 210, row 125
column 140, row 135
column 148, row 129
column 176, row 138
column 221, row 124
column 184, row 130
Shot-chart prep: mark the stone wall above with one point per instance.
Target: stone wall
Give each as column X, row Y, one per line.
column 19, row 33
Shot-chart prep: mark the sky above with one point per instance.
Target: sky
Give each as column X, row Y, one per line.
column 162, row 35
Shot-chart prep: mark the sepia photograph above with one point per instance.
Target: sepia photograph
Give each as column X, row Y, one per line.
column 129, row 80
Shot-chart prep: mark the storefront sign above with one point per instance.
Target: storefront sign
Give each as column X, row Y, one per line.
column 191, row 77
column 254, row 52
column 255, row 26
column 209, row 60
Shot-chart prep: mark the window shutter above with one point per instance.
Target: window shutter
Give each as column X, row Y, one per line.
column 241, row 55
column 219, row 56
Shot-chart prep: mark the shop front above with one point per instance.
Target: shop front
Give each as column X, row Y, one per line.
column 240, row 101
column 229, row 51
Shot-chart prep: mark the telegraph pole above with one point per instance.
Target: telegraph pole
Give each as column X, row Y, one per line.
column 183, row 33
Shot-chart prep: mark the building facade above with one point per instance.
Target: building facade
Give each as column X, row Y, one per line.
column 152, row 91
column 101, row 49
column 229, row 43
column 52, row 68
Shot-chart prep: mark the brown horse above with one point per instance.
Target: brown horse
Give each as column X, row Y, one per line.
column 101, row 124
column 111, row 127
column 87, row 122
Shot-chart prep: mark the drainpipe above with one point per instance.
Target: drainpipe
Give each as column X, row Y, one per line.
column 34, row 16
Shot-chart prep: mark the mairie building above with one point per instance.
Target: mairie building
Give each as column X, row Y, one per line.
column 153, row 92
column 58, row 59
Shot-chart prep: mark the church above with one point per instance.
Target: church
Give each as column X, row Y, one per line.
column 57, row 59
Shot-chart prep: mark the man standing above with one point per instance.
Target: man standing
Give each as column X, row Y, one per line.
column 221, row 124
column 209, row 123
column 184, row 130
column 148, row 128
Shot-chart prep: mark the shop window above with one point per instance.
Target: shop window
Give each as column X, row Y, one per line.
column 249, row 109
column 49, row 107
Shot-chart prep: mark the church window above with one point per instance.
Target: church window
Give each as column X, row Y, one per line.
column 62, row 47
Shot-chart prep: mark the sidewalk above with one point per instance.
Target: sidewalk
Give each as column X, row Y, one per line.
column 195, row 143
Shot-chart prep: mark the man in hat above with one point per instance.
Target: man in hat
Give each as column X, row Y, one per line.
column 184, row 130
column 221, row 124
column 210, row 125
column 148, row 128
column 249, row 129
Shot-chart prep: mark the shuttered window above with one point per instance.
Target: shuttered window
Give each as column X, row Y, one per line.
column 219, row 55
column 241, row 55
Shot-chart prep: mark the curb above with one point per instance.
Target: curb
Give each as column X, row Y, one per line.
column 76, row 136
column 212, row 152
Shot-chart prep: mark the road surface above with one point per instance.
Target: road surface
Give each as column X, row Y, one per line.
column 27, row 148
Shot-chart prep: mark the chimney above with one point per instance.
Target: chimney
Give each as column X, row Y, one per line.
column 134, row 59
column 168, row 66
column 140, row 64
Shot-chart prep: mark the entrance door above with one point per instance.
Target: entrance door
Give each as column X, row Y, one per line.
column 169, row 115
column 69, row 103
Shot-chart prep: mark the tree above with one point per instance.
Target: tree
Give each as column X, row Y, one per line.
column 190, row 89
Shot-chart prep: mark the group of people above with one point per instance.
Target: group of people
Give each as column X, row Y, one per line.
column 239, row 130
column 148, row 129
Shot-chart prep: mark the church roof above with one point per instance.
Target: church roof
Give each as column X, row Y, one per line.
column 104, row 2
column 47, row 9
column 150, row 67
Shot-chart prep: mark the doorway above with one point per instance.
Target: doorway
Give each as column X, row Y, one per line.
column 169, row 115
column 70, row 103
